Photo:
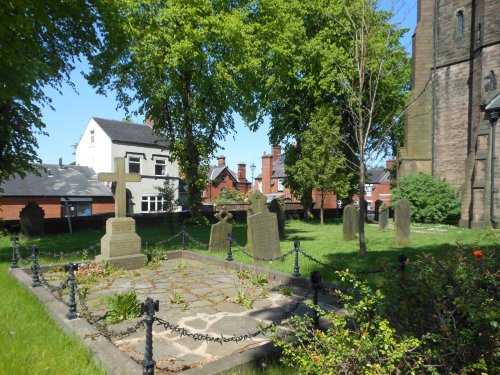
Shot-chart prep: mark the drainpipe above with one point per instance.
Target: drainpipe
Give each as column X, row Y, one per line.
column 434, row 87
column 68, row 215
column 493, row 121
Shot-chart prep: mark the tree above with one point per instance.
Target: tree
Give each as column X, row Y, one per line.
column 432, row 200
column 39, row 42
column 182, row 62
column 288, row 89
column 323, row 165
column 369, row 69
column 170, row 203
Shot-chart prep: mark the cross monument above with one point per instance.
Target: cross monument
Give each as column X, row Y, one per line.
column 121, row 245
column 120, row 177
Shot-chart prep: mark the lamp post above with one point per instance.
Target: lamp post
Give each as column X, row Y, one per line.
column 252, row 169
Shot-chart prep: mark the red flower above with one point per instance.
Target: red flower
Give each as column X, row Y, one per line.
column 478, row 254
column 316, row 357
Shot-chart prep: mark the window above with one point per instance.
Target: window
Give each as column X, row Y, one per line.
column 368, row 190
column 460, row 23
column 152, row 203
column 134, row 164
column 160, row 167
column 280, row 184
column 91, row 136
column 478, row 34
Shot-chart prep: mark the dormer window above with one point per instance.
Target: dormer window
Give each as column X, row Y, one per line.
column 460, row 23
column 160, row 167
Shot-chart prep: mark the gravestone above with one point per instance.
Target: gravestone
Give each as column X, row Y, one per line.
column 402, row 221
column 383, row 216
column 278, row 207
column 358, row 213
column 350, row 221
column 31, row 220
column 121, row 246
column 220, row 231
column 378, row 204
column 263, row 238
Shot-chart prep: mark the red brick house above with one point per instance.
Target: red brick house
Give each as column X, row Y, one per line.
column 220, row 176
column 270, row 182
column 58, row 190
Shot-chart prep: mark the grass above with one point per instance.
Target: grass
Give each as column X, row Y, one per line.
column 32, row 344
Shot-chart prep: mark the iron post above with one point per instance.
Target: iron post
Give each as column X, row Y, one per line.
column 149, row 307
column 229, row 250
column 316, row 284
column 183, row 244
column 71, row 268
column 35, row 268
column 14, row 252
column 296, row 270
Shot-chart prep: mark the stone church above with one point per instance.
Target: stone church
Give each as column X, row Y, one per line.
column 455, row 101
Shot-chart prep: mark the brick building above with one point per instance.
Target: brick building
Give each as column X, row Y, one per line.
column 221, row 177
column 450, row 126
column 59, row 190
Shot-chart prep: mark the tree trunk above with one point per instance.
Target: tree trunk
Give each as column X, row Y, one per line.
column 307, row 203
column 322, row 210
column 362, row 209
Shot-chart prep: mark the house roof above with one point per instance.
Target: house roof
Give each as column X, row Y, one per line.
column 215, row 171
column 70, row 181
column 279, row 168
column 126, row 132
column 378, row 176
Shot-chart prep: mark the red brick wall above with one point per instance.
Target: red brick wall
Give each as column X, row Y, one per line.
column 10, row 207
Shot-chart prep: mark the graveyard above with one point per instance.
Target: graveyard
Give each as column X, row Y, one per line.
column 321, row 248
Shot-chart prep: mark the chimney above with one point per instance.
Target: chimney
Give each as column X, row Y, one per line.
column 221, row 160
column 267, row 171
column 389, row 164
column 242, row 172
column 148, row 121
column 276, row 153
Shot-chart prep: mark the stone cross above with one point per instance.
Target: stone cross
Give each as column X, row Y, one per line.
column 120, row 177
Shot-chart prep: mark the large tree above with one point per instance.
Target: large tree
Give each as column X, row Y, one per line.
column 369, row 69
column 39, row 42
column 288, row 90
column 182, row 62
column 323, row 164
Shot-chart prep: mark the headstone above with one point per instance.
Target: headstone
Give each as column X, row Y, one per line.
column 378, row 204
column 402, row 221
column 358, row 213
column 383, row 216
column 263, row 236
column 121, row 246
column 350, row 221
column 32, row 220
column 278, row 207
column 220, row 231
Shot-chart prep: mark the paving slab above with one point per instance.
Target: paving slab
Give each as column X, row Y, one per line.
column 215, row 302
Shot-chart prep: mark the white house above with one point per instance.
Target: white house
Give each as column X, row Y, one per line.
column 144, row 152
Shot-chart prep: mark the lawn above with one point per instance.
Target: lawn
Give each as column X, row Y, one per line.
column 32, row 344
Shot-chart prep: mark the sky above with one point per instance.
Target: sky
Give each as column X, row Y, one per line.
column 75, row 107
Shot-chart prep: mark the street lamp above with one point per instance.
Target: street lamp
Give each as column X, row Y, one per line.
column 252, row 169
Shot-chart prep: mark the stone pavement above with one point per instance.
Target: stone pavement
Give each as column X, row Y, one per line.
column 203, row 295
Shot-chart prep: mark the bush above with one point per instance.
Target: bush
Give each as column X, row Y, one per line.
column 452, row 304
column 433, row 201
column 359, row 341
column 229, row 196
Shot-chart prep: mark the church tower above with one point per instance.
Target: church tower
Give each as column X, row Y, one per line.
column 450, row 127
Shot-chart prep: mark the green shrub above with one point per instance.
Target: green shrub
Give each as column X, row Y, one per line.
column 452, row 304
column 229, row 196
column 432, row 200
column 357, row 342
column 122, row 306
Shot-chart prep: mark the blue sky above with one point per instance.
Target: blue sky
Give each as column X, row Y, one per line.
column 73, row 111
